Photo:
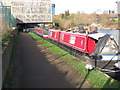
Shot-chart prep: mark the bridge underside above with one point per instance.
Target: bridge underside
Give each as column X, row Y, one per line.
column 22, row 26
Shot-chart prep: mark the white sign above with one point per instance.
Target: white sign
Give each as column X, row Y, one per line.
column 32, row 11
column 72, row 39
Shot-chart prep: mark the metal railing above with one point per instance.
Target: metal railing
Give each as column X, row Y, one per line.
column 8, row 21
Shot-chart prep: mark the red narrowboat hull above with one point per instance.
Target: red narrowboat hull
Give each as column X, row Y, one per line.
column 80, row 42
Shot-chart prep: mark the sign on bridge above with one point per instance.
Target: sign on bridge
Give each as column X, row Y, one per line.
column 32, row 11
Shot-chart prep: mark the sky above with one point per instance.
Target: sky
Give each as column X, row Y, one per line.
column 86, row 6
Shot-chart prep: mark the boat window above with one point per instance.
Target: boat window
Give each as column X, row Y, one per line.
column 62, row 36
column 55, row 35
column 50, row 34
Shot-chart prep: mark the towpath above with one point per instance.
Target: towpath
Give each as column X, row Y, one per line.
column 32, row 70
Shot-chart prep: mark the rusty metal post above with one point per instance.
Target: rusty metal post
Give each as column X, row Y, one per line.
column 118, row 11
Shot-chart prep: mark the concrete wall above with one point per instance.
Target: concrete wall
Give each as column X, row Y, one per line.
column 6, row 55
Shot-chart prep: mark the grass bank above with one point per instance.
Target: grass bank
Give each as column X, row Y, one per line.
column 96, row 78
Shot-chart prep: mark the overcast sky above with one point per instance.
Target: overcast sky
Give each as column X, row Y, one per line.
column 87, row 6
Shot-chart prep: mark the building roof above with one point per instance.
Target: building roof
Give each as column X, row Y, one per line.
column 113, row 15
column 107, row 15
column 56, row 15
